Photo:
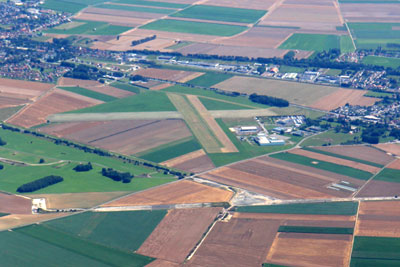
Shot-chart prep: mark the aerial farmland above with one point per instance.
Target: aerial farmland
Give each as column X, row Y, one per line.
column 200, row 133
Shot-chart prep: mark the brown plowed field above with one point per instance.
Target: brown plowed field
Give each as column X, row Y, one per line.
column 239, row 242
column 6, row 102
column 310, row 250
column 78, row 200
column 127, row 137
column 322, row 223
column 262, row 37
column 171, row 75
column 56, row 102
column 63, row 81
column 379, row 218
column 322, row 17
column 15, row 204
column 248, row 4
column 380, row 189
column 157, row 44
column 178, row 233
column 196, row 161
column 181, row 192
column 115, row 20
column 394, row 165
column 390, row 148
column 122, row 13
column 343, row 96
column 360, row 152
column 162, row 263
column 17, row 220
column 294, row 217
column 281, row 179
column 24, row 85
column 338, row 161
column 355, row 12
column 174, row 36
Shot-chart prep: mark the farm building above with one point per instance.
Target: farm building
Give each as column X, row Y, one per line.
column 247, row 130
column 265, row 141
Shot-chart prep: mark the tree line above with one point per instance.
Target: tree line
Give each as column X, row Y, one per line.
column 39, row 184
column 83, row 167
column 144, row 40
column 117, row 176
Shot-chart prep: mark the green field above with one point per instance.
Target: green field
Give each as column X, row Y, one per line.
column 218, row 13
column 63, row 6
column 375, row 251
column 26, row 145
column 331, row 138
column 91, row 28
column 246, row 150
column 148, row 101
column 137, row 8
column 346, row 45
column 316, row 230
column 5, row 113
column 387, row 62
column 213, row 104
column 210, row 78
column 311, row 42
column 171, row 150
column 179, row 45
column 323, row 165
column 98, row 252
column 285, row 69
column 127, row 87
column 323, row 208
column 378, row 94
column 171, row 25
column 151, row 3
column 3, row 214
column 369, row 35
column 89, row 93
column 343, row 157
column 111, row 229
column 388, row 175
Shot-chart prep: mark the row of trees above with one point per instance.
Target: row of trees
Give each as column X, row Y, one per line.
column 117, row 176
column 269, row 100
column 39, row 184
column 144, row 40
column 2, row 142
column 83, row 167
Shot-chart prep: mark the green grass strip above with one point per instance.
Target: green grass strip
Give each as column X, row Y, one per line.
column 316, row 230
column 321, row 208
column 152, row 3
column 343, row 157
column 127, row 87
column 89, row 93
column 323, row 165
column 388, row 175
column 3, row 214
column 98, row 252
column 382, row 248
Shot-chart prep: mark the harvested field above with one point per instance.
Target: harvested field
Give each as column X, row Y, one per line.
column 55, row 102
column 16, row 220
column 294, row 92
column 393, row 149
column 310, row 250
column 314, row 17
column 178, row 233
column 261, row 37
column 127, row 137
column 295, row 217
column 362, row 152
column 109, row 90
column 174, row 36
column 181, row 192
column 394, row 165
column 365, row 12
column 5, row 84
column 15, row 204
column 166, row 74
column 335, row 160
column 239, row 242
column 377, row 188
column 7, row 102
column 162, row 263
column 343, row 96
column 78, row 200
column 248, row 4
column 157, row 44
column 196, row 161
column 122, row 13
column 281, row 179
column 379, row 218
column 227, row 145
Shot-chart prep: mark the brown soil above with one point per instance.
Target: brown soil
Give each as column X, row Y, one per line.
column 370, row 12
column 162, row 263
column 181, row 192
column 178, row 233
column 338, row 161
column 380, row 189
column 359, row 152
column 239, row 242
column 17, row 220
column 15, row 204
column 294, row 217
column 248, row 4
column 196, row 161
column 394, row 165
column 390, row 148
column 171, row 75
column 310, row 250
column 78, row 200
column 115, row 20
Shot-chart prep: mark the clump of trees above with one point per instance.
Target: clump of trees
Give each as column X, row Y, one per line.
column 39, row 184
column 144, row 40
column 83, row 167
column 117, row 176
column 269, row 100
column 2, row 142
column 1, row 166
